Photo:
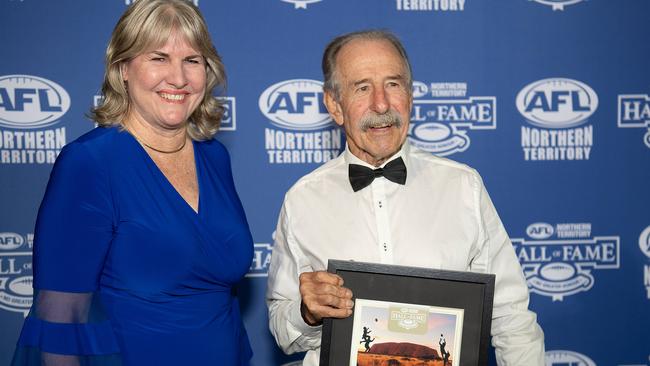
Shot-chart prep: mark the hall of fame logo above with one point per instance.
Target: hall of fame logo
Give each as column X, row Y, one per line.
column 261, row 260
column 634, row 112
column 560, row 260
column 301, row 4
column 443, row 115
column 567, row 358
column 301, row 130
column 557, row 4
column 16, row 272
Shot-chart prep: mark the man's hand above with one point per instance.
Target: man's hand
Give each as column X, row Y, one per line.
column 323, row 296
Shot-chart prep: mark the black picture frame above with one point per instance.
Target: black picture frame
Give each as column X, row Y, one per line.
column 469, row 291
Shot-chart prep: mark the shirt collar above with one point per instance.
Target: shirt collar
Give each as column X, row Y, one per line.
column 403, row 153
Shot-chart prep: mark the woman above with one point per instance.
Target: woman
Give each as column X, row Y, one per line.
column 141, row 236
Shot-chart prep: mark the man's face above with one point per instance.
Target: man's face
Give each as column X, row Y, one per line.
column 375, row 100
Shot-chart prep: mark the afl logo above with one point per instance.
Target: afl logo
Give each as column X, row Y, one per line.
column 420, row 89
column 295, row 104
column 9, row 241
column 644, row 241
column 31, row 102
column 539, row 230
column 558, row 358
column 557, row 103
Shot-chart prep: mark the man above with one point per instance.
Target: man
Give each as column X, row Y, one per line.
column 440, row 217
column 443, row 353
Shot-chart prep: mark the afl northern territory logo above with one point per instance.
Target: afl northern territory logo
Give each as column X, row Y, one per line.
column 557, row 110
column 302, row 130
column 31, row 102
column 295, row 104
column 557, row 102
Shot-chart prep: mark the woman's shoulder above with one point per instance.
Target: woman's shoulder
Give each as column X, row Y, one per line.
column 213, row 145
column 214, row 150
column 98, row 137
column 95, row 145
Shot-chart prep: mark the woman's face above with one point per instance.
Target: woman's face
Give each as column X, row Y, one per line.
column 166, row 84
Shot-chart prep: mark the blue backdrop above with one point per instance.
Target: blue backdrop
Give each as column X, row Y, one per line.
column 548, row 99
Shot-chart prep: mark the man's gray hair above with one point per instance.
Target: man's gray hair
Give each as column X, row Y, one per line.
column 331, row 82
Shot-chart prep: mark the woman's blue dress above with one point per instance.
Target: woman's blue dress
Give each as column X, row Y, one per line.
column 126, row 271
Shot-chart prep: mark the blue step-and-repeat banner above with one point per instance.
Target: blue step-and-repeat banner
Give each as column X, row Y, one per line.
column 548, row 99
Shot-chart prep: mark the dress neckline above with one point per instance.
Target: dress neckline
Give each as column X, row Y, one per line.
column 167, row 183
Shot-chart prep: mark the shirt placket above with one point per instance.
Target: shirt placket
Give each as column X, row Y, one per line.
column 385, row 245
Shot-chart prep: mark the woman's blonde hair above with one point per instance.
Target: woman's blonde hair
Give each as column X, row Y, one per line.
column 148, row 24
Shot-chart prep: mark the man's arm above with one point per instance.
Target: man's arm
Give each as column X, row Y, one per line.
column 299, row 298
column 516, row 336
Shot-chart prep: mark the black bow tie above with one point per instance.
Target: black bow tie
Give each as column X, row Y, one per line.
column 361, row 176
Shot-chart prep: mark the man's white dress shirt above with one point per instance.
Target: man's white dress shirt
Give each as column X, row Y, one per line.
column 442, row 218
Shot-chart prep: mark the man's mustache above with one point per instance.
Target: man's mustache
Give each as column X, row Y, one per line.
column 374, row 120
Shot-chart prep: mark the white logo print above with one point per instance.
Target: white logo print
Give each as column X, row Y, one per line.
column 565, row 265
column 261, row 260
column 302, row 130
column 540, row 230
column 558, row 4
column 644, row 245
column 634, row 112
column 567, row 358
column 229, row 119
column 10, row 241
column 16, row 272
column 557, row 109
column 31, row 102
column 440, row 125
column 301, row 4
column 644, row 241
column 437, row 5
column 557, row 102
column 295, row 104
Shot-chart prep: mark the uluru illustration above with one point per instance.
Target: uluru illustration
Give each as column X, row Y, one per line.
column 400, row 354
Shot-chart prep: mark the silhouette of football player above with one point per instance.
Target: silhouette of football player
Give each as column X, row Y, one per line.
column 365, row 338
column 443, row 353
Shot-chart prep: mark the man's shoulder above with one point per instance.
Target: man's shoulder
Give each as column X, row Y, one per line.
column 326, row 176
column 425, row 160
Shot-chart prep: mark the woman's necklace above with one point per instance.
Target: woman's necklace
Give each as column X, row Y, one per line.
column 158, row 150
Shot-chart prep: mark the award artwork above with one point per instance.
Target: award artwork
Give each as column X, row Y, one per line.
column 386, row 333
column 410, row 316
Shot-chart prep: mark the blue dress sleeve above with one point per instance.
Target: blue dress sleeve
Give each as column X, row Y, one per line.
column 74, row 228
